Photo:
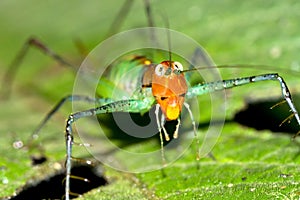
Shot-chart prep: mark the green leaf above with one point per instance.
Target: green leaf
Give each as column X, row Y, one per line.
column 249, row 164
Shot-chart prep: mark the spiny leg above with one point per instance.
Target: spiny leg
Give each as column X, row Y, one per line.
column 68, row 98
column 224, row 84
column 9, row 75
column 14, row 66
column 119, row 19
column 287, row 96
column 119, row 106
column 123, row 12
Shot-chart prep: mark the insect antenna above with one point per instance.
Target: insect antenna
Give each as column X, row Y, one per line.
column 167, row 25
column 233, row 66
column 169, row 40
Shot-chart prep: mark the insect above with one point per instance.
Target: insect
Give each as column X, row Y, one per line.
column 164, row 86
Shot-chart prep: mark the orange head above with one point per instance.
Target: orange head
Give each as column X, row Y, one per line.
column 169, row 88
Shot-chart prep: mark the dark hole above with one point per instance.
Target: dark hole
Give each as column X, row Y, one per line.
column 53, row 187
column 118, row 134
column 170, row 126
column 258, row 115
column 115, row 133
column 37, row 160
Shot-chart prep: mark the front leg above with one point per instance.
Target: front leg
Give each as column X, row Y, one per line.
column 118, row 106
column 230, row 83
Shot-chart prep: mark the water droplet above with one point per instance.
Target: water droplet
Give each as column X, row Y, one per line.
column 18, row 144
column 4, row 180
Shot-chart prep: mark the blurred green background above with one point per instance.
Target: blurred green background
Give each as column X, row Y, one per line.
column 248, row 32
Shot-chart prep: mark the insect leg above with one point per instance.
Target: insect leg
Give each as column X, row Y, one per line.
column 175, row 135
column 162, row 122
column 68, row 98
column 160, row 134
column 224, row 84
column 118, row 106
column 12, row 69
column 187, row 106
column 120, row 18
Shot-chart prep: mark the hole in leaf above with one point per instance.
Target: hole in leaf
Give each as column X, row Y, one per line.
column 53, row 187
column 37, row 160
column 258, row 115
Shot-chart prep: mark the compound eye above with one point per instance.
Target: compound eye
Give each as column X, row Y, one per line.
column 178, row 66
column 160, row 70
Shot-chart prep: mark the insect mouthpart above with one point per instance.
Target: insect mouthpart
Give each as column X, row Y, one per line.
column 170, row 106
column 172, row 112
